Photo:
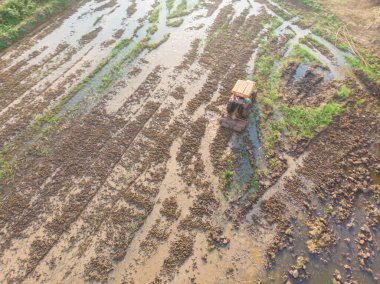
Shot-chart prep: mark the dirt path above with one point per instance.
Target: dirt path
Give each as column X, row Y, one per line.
column 113, row 155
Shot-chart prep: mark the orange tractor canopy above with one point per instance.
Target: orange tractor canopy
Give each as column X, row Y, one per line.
column 243, row 88
column 239, row 105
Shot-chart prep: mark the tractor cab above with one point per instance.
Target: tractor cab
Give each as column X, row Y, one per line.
column 239, row 105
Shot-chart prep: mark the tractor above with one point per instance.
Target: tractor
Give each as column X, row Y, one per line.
column 239, row 105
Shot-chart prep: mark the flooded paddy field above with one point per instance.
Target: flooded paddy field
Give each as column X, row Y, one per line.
column 114, row 167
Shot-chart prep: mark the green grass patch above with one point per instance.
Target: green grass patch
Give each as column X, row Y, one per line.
column 106, row 81
column 343, row 46
column 216, row 33
column 179, row 11
column 275, row 23
column 44, row 151
column 18, row 17
column 114, row 73
column 304, row 122
column 305, row 56
column 169, row 4
column 4, row 169
column 312, row 42
column 228, row 174
column 47, row 118
column 323, row 22
column 152, row 29
column 360, row 102
column 343, row 92
column 175, row 23
column 370, row 68
column 154, row 15
column 267, row 80
column 311, row 3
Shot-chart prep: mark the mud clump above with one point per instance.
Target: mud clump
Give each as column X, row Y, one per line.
column 216, row 239
column 282, row 239
column 190, row 57
column 320, row 235
column 159, row 233
column 180, row 250
column 298, row 270
column 200, row 212
column 90, row 36
column 218, row 148
column 170, row 208
column 365, row 247
column 274, row 210
column 109, row 4
column 189, row 149
column 39, row 248
column 178, row 93
column 98, row 269
column 205, row 204
column 132, row 8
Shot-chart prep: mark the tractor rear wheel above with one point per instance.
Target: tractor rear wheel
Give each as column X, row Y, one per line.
column 231, row 106
column 244, row 111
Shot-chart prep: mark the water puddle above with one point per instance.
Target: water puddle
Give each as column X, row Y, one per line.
column 243, row 169
column 253, row 136
column 303, row 68
column 321, row 268
column 338, row 66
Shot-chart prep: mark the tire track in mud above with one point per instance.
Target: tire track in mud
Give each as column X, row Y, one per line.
column 188, row 222
column 143, row 90
column 32, row 102
column 138, row 196
column 77, row 166
column 100, row 124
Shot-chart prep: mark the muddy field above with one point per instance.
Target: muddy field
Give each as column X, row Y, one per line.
column 114, row 167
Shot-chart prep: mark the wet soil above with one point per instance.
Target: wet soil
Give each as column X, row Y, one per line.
column 126, row 183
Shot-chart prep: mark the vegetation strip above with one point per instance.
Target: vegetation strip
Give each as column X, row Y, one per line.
column 19, row 17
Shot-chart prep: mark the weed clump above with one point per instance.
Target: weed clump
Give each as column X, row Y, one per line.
column 343, row 92
column 155, row 14
column 175, row 23
column 179, row 11
column 228, row 174
column 169, row 4
column 152, row 30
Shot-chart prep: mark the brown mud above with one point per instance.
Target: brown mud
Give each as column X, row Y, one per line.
column 119, row 176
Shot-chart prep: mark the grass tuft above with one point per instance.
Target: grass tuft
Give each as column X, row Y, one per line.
column 343, row 92
column 301, row 53
column 152, row 29
column 154, row 15
column 175, row 23
column 228, row 174
column 179, row 11
column 169, row 4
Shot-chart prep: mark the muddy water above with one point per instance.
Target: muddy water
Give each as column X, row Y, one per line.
column 321, row 267
column 131, row 170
